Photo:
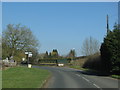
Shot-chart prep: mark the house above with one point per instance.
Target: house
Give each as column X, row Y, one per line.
column 9, row 63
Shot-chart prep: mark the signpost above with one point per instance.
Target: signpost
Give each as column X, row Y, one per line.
column 29, row 54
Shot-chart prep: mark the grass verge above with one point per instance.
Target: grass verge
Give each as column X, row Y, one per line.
column 115, row 76
column 94, row 71
column 77, row 67
column 23, row 77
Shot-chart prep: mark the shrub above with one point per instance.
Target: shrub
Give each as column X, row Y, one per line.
column 93, row 62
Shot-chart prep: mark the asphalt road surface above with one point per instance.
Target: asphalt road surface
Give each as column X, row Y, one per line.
column 63, row 77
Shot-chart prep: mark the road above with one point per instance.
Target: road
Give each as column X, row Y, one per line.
column 63, row 77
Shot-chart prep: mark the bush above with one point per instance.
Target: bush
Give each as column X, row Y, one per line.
column 93, row 62
column 18, row 56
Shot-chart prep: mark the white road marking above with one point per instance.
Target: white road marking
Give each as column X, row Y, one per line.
column 96, row 85
column 83, row 78
column 86, row 79
column 89, row 81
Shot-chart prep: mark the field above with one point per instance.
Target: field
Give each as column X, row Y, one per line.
column 23, row 77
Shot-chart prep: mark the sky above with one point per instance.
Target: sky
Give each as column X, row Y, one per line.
column 61, row 25
column 119, row 12
column 0, row 32
column 59, row 0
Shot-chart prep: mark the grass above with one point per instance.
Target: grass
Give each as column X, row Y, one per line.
column 86, row 69
column 94, row 71
column 23, row 77
column 115, row 76
column 77, row 67
column 0, row 79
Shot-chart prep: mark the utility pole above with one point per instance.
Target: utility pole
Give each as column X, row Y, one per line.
column 107, row 24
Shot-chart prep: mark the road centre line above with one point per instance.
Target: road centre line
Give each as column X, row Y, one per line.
column 96, row 85
column 86, row 79
column 83, row 78
column 89, row 81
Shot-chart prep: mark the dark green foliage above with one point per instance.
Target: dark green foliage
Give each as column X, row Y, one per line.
column 110, row 51
column 46, row 54
column 54, row 53
column 54, row 60
column 47, row 60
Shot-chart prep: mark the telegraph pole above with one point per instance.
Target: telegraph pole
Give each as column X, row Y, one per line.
column 107, row 24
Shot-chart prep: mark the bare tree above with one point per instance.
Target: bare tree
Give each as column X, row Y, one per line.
column 90, row 46
column 17, row 37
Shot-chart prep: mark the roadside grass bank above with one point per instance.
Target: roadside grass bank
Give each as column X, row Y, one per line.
column 83, row 69
column 46, row 64
column 76, row 67
column 23, row 77
column 92, row 64
column 0, row 79
column 115, row 76
column 95, row 72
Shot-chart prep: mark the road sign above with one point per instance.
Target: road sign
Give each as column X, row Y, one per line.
column 26, row 52
column 30, row 55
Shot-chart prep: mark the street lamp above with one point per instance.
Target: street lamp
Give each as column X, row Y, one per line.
column 28, row 54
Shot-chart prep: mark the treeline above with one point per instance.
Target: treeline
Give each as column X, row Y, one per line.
column 109, row 58
column 54, row 57
column 54, row 60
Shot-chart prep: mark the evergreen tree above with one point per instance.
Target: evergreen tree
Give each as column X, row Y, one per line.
column 46, row 54
column 72, row 54
column 55, row 53
column 110, row 51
